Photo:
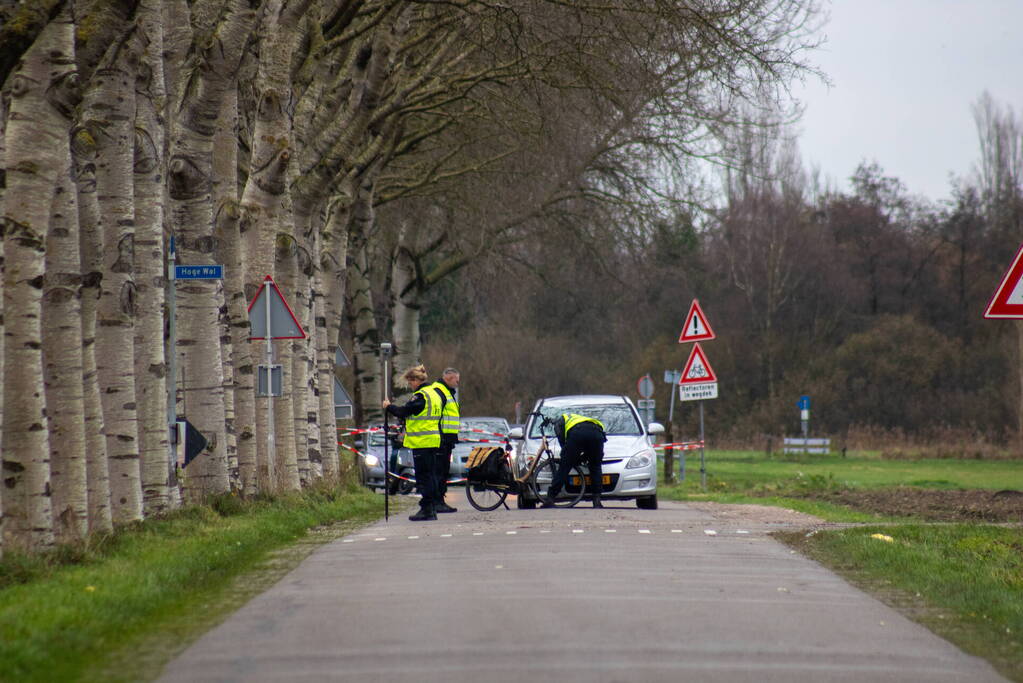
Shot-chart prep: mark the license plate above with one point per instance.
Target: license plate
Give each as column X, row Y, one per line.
column 605, row 480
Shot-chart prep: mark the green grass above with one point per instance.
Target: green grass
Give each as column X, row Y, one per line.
column 744, row 471
column 963, row 581
column 120, row 607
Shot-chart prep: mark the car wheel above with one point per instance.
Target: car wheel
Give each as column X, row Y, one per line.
column 405, row 486
column 647, row 503
column 523, row 504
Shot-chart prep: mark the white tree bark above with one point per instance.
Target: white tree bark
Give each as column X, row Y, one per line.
column 62, row 354
column 150, row 279
column 109, row 116
column 191, row 218
column 97, row 464
column 35, row 159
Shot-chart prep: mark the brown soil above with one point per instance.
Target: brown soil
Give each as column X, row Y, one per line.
column 933, row 505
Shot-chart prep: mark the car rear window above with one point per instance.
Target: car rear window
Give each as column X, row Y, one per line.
column 491, row 427
column 617, row 418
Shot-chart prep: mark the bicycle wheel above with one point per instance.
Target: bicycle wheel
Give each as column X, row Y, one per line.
column 570, row 494
column 483, row 497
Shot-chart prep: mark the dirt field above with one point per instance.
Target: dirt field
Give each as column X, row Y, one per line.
column 933, row 505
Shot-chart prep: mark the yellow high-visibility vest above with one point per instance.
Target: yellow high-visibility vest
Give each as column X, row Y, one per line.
column 422, row 430
column 571, row 420
column 449, row 414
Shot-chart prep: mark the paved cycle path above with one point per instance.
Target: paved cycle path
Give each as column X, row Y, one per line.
column 676, row 594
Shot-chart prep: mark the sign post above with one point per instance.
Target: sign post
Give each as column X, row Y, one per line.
column 385, row 353
column 699, row 383
column 271, row 318
column 804, row 414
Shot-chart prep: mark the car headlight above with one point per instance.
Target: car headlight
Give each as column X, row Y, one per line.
column 641, row 459
column 372, row 460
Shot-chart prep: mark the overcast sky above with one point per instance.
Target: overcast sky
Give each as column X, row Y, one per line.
column 905, row 74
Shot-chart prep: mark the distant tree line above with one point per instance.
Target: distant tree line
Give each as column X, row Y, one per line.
column 868, row 299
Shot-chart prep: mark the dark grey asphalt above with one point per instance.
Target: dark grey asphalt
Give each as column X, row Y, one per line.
column 569, row 595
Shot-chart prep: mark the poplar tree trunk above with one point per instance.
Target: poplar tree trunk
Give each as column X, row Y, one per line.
column 288, row 477
column 367, row 339
column 150, row 361
column 191, row 218
column 36, row 157
column 97, row 464
column 405, row 285
column 109, row 116
column 62, row 353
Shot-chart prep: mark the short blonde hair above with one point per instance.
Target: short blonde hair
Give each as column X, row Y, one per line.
column 417, row 373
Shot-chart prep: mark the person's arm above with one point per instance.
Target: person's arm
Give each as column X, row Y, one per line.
column 559, row 430
column 414, row 406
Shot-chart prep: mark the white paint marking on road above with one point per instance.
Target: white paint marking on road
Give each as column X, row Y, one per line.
column 710, row 532
column 380, row 539
column 644, row 531
column 511, row 533
column 348, row 540
column 498, row 566
column 610, row 531
column 741, row 531
column 477, row 533
column 445, row 535
column 577, row 531
column 412, row 538
column 676, row 531
column 545, row 531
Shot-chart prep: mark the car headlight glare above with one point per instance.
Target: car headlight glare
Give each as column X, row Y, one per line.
column 641, row 459
column 372, row 460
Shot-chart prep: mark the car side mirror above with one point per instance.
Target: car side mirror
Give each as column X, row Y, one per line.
column 515, row 433
column 654, row 428
column 359, row 443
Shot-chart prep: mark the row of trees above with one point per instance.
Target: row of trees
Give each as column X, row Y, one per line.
column 361, row 152
column 866, row 298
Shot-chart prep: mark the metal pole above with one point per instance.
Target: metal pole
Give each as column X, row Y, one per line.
column 271, row 435
column 385, row 351
column 703, row 463
column 172, row 357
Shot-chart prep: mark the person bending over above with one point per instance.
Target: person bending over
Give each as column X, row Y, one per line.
column 582, row 440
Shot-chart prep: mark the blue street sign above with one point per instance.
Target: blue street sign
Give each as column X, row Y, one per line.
column 804, row 403
column 199, row 272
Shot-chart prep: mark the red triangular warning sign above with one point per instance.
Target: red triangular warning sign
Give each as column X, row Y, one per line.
column 697, row 370
column 271, row 316
column 1008, row 299
column 696, row 327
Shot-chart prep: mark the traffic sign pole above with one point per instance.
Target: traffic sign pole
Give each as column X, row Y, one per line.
column 271, row 436
column 172, row 357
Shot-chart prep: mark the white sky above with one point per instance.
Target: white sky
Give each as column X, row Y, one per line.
column 905, row 74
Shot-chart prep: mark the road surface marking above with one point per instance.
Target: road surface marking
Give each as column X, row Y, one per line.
column 644, row 531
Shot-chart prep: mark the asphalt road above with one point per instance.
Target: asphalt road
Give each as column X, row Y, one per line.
column 676, row 594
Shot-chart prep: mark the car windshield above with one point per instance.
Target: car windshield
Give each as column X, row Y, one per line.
column 488, row 427
column 376, row 438
column 617, row 418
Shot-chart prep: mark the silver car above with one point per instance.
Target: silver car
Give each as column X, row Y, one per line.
column 371, row 448
column 477, row 431
column 630, row 462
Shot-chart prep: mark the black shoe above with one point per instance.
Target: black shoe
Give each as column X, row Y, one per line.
column 596, row 503
column 444, row 507
column 423, row 515
column 547, row 503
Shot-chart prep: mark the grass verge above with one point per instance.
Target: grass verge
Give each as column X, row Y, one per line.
column 119, row 607
column 962, row 581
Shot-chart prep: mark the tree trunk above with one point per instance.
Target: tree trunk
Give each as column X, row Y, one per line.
column 35, row 139
column 109, row 116
column 62, row 353
column 288, row 477
column 150, row 361
column 406, row 286
column 190, row 171
column 97, row 464
column 361, row 311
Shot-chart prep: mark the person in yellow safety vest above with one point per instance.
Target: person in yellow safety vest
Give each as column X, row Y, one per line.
column 445, row 388
column 422, row 415
column 580, row 438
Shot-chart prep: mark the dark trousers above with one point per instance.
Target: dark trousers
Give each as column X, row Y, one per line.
column 443, row 469
column 425, row 462
column 584, row 444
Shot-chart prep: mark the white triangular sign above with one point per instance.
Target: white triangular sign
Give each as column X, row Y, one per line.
column 696, row 327
column 281, row 323
column 697, row 370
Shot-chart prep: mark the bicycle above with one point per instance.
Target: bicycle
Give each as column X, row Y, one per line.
column 489, row 495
